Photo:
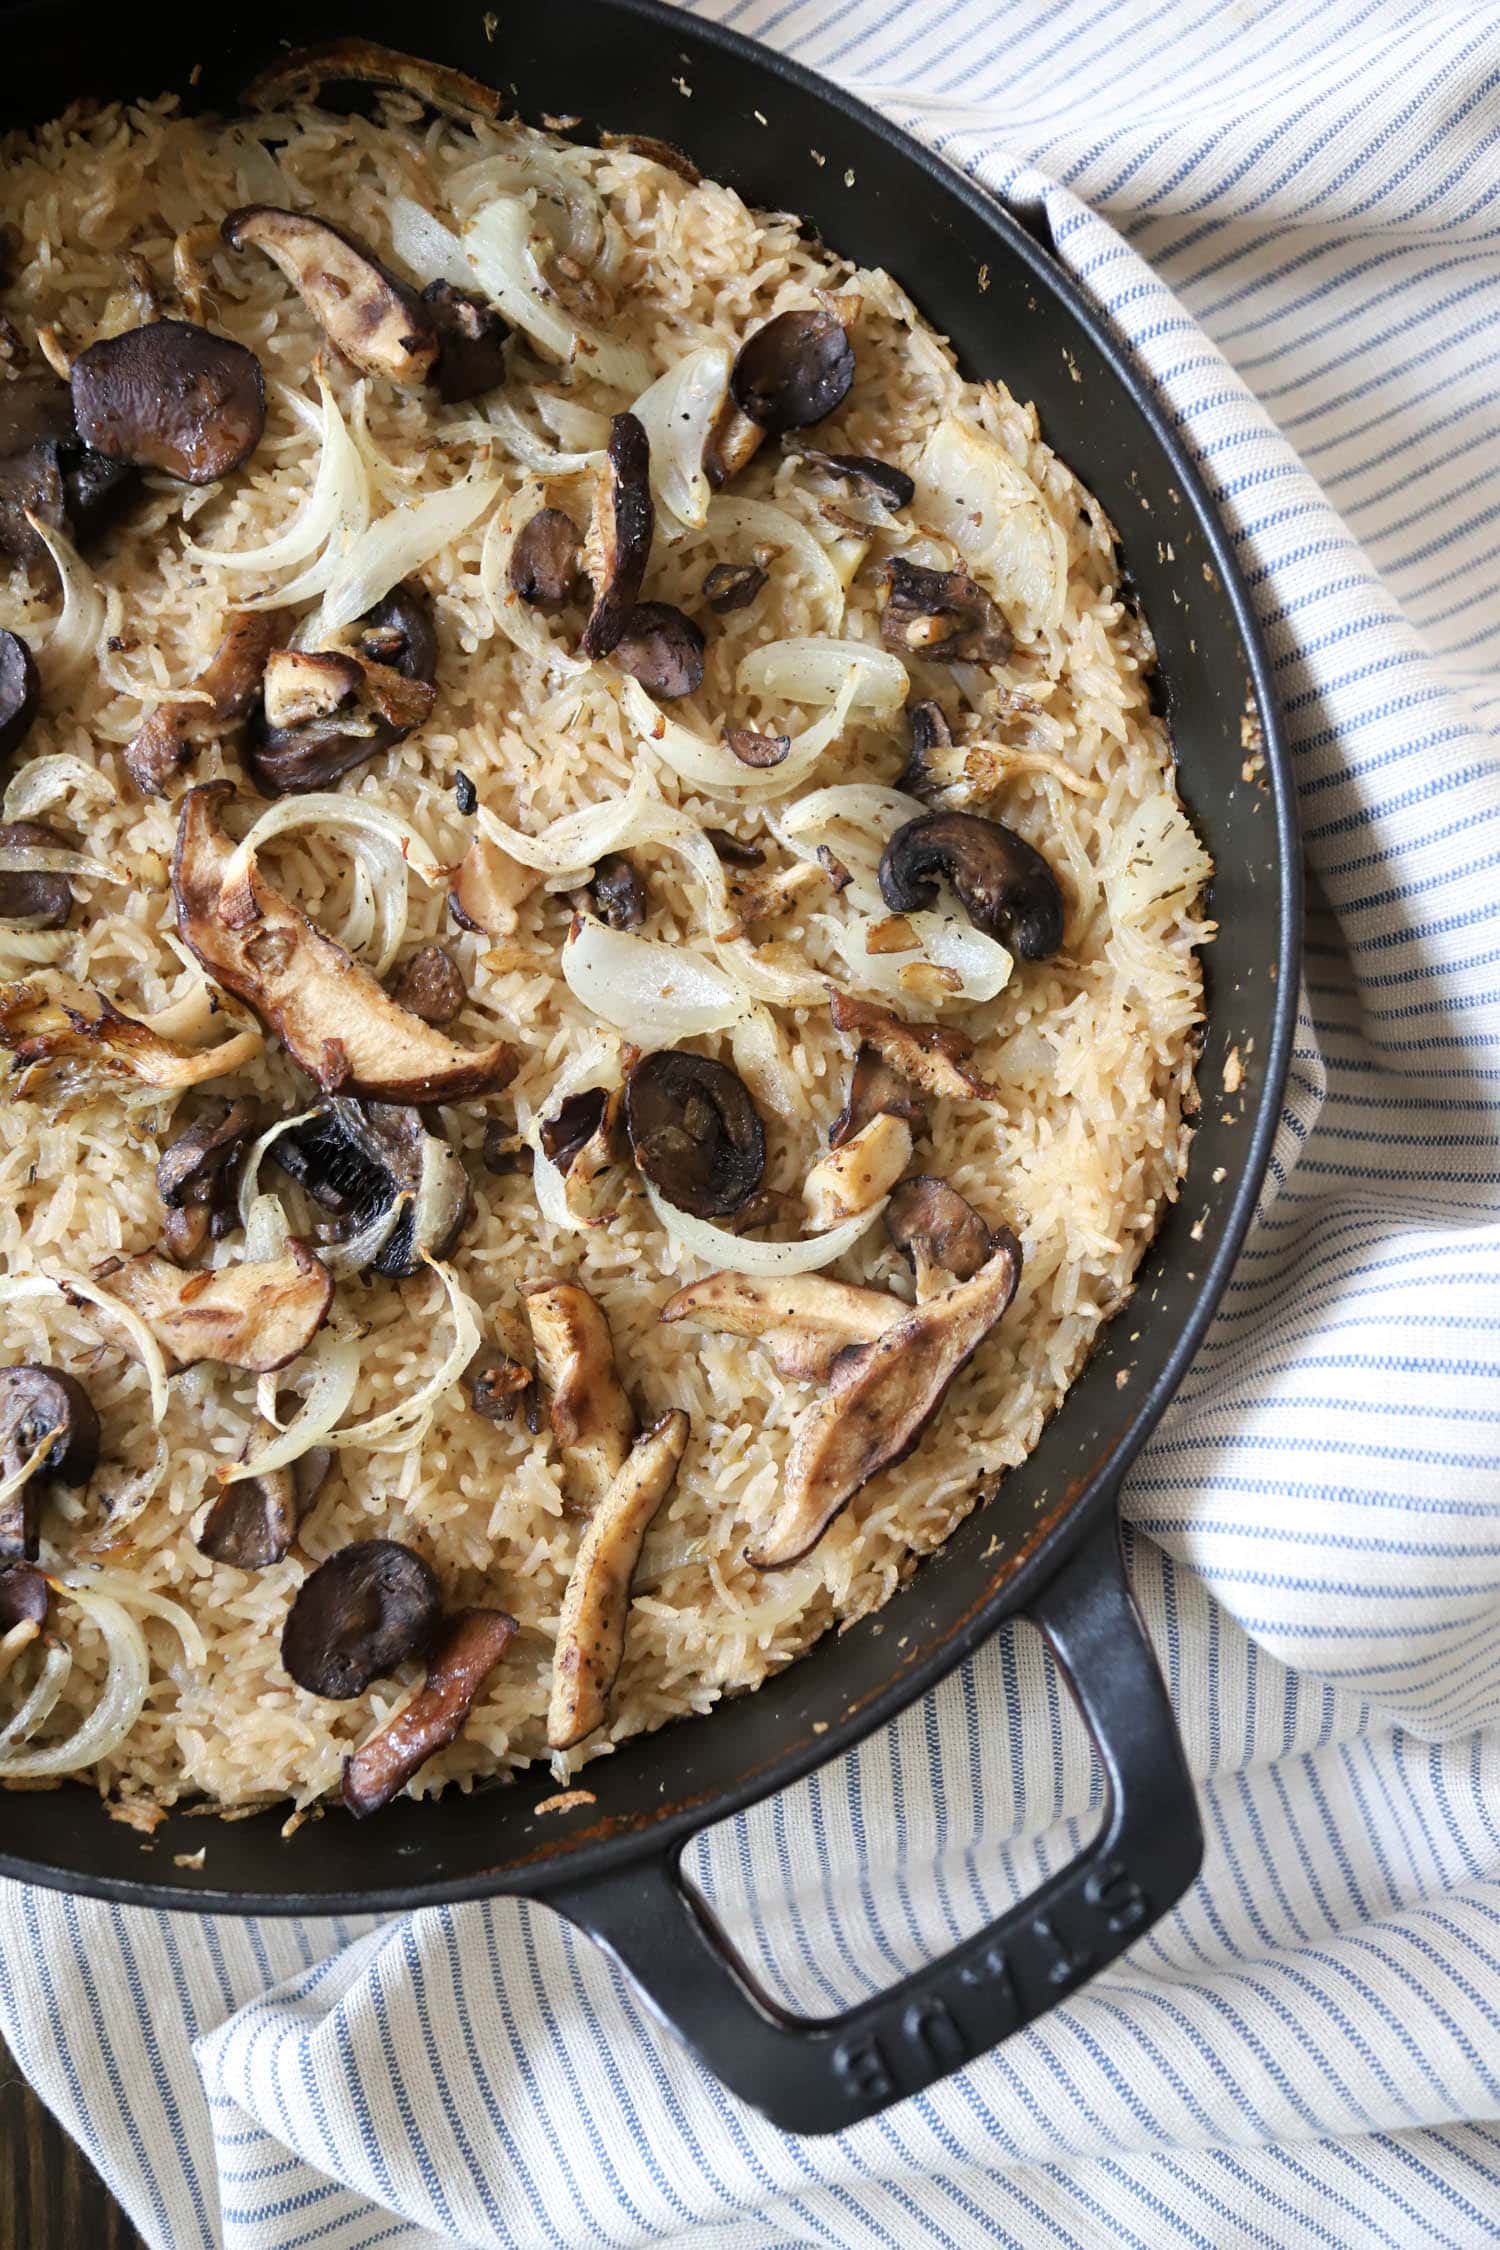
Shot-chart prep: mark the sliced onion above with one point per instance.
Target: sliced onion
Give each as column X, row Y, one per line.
column 425, row 246
column 981, row 964
column 387, row 843
column 498, row 244
column 148, row 1351
column 564, row 201
column 333, row 1362
column 517, row 620
column 648, row 988
column 39, row 1703
column 406, row 1424
column 582, row 427
column 747, row 524
column 677, row 412
column 54, row 859
column 131, row 1594
column 398, row 544
column 333, row 515
column 814, row 671
column 855, row 820
column 761, row 1059
column 76, row 629
column 55, row 780
column 970, row 490
column 19, row 1475
column 250, row 1189
column 713, row 765
column 364, row 1246
column 736, row 1253
column 131, row 1498
column 523, row 445
column 119, row 1705
column 576, row 840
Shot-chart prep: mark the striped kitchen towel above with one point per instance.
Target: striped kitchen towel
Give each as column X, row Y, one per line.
column 1290, row 211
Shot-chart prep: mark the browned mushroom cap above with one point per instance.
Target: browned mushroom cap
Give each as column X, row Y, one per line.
column 731, row 586
column 471, row 343
column 695, row 1132
column 875, row 1090
column 794, row 371
column 171, row 396
column 378, row 323
column 879, row 480
column 328, row 1012
column 252, row 1524
column 497, row 1385
column 197, row 1174
column 25, row 1597
column 661, row 648
column 45, row 900
column 936, row 1229
column 929, row 735
column 620, row 534
column 48, row 472
column 544, row 561
column 943, row 615
column 359, row 1615
column 231, row 681
column 465, row 1652
column 757, row 749
column 617, row 892
column 1004, row 886
column 326, row 710
column 20, row 692
column 733, row 850
column 356, row 1159
column 430, row 986
column 257, row 1315
column 301, row 75
column 933, row 1056
column 48, row 1428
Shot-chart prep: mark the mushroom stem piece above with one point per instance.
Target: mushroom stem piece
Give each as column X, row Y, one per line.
column 857, row 1173
column 467, row 1649
column 329, row 1013
column 930, row 1055
column 256, row 1315
column 804, row 1320
column 591, row 1632
column 592, row 1419
column 880, row 1399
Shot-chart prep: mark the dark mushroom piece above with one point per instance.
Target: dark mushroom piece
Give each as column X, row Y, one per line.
column 44, row 900
column 466, row 1651
column 325, row 711
column 943, row 615
column 503, row 1152
column 617, row 893
column 472, row 338
column 733, row 850
column 497, row 1385
column 171, row 396
column 937, row 1230
column 48, row 472
column 929, row 736
column 48, row 1429
column 25, row 1597
column 794, row 371
column 355, row 1159
column 465, row 795
column 574, row 1125
column 400, row 632
column 544, row 561
column 661, row 648
column 253, row 1524
column 301, row 76
column 360, row 1614
column 20, row 692
column 695, row 1132
column 877, row 480
column 732, row 586
column 876, row 1089
column 197, row 1175
column 620, row 535
column 757, row 750
column 231, row 680
column 430, row 986
column 1004, row 886
column 378, row 323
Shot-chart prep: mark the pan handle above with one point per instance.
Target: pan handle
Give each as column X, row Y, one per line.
column 820, row 2074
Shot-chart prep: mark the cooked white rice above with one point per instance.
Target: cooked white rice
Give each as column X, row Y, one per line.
column 1092, row 1052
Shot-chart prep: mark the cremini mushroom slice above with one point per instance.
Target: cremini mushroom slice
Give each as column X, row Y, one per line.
column 472, row 337
column 583, row 1141
column 364, row 1161
column 795, row 370
column 329, row 1013
column 881, row 1397
column 938, row 1231
column 48, row 1429
column 257, row 1315
column 231, row 681
column 170, row 396
column 592, row 1419
column 880, row 481
column 38, row 896
column 1004, row 885
column 616, row 892
column 804, row 1320
column 301, row 76
column 489, row 889
column 596, row 1606
column 197, row 1174
column 60, row 1024
column 618, row 545
column 695, row 1132
column 430, row 986
column 20, row 693
column 361, row 1613
column 465, row 1651
column 875, row 1090
column 544, row 562
column 942, row 615
column 379, row 324
column 857, row 1173
column 253, row 1523
column 932, row 1056
column 662, row 648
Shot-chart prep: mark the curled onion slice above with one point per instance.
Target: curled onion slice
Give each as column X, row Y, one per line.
column 334, row 513
column 386, row 842
column 564, row 201
column 648, row 988
column 131, row 1594
column 737, row 1253
column 334, row 1364
column 40, row 1701
column 14, row 1287
column 575, row 840
column 740, row 525
column 713, row 765
column 78, row 624
column 498, row 244
column 970, row 490
column 597, row 1063
column 406, row 1424
column 58, row 779
column 112, row 1717
column 677, row 412
column 522, row 443
column 814, row 671
column 571, row 424
column 517, row 620
column 54, row 859
column 425, row 246
column 396, row 545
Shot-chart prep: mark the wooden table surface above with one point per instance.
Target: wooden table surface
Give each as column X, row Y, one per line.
column 51, row 2198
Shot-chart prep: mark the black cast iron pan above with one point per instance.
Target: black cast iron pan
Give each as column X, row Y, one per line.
column 1045, row 1544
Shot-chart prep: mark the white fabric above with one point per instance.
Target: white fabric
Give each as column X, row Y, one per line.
column 1290, row 209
